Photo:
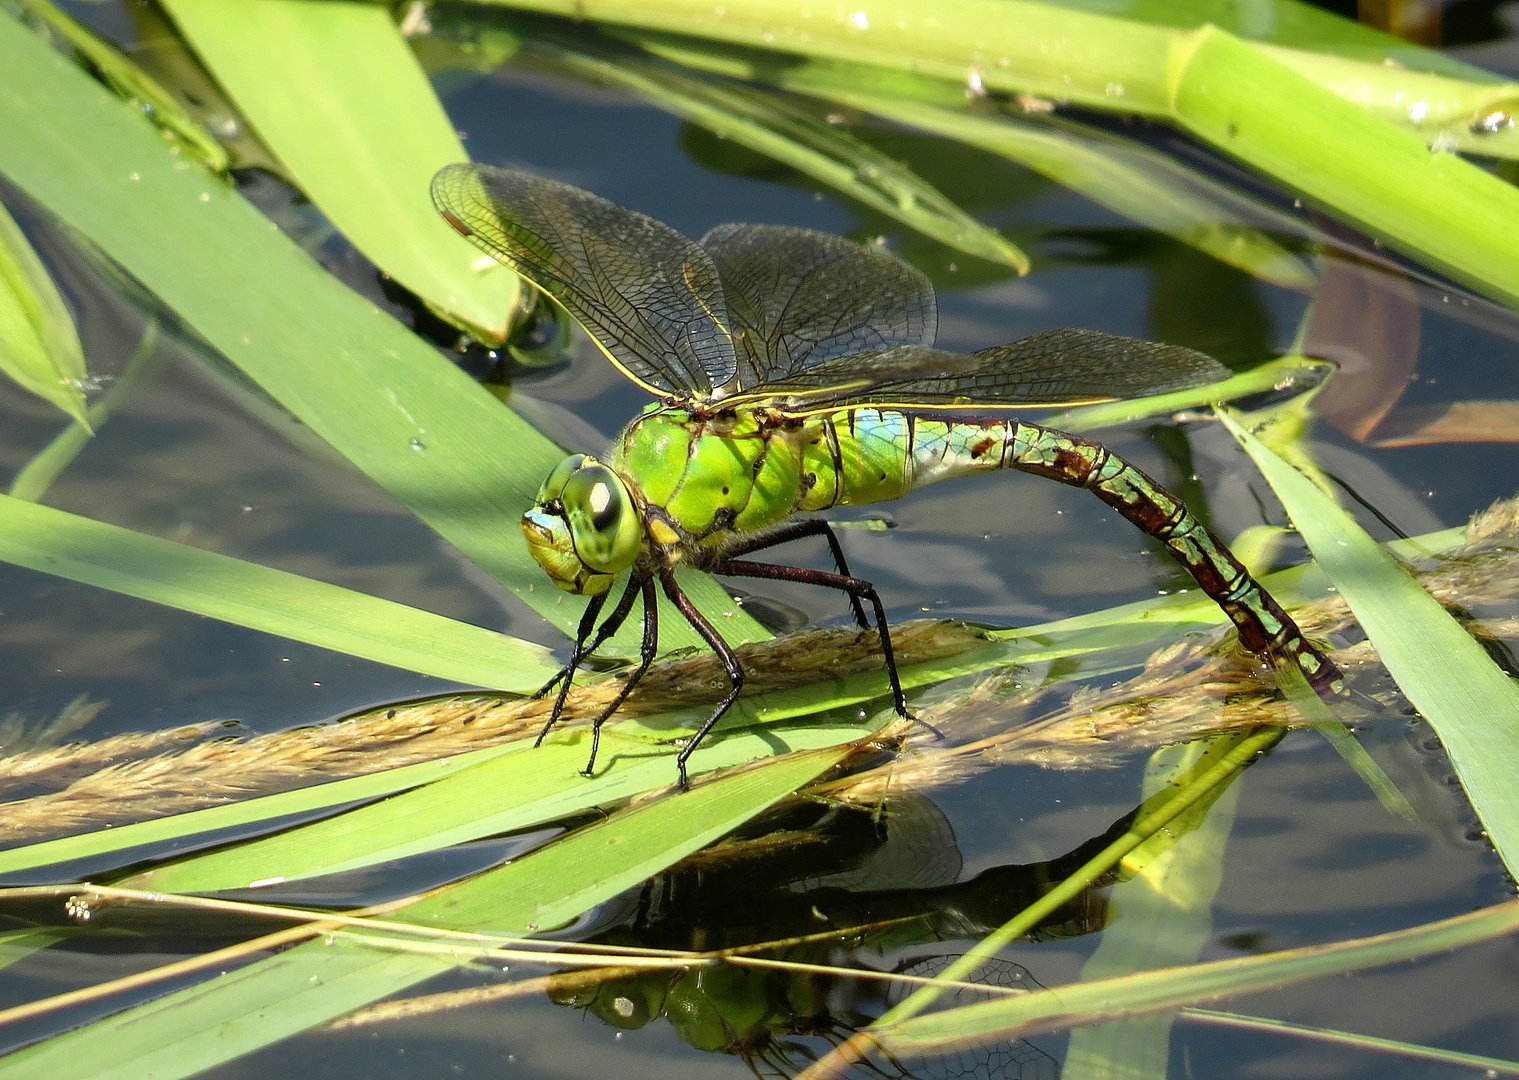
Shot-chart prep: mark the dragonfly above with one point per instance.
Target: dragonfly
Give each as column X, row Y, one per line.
column 795, row 371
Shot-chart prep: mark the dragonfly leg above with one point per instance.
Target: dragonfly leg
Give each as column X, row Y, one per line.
column 724, row 653
column 796, row 530
column 1264, row 628
column 583, row 648
column 646, row 657
column 843, row 582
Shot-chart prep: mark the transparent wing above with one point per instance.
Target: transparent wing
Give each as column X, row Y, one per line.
column 798, row 298
column 1058, row 367
column 649, row 296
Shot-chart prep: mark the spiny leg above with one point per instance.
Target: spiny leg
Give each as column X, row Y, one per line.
column 645, row 658
column 583, row 648
column 856, row 587
column 1264, row 628
column 797, row 530
column 724, row 653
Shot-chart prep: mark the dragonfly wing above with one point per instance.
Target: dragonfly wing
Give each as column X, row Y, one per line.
column 798, row 298
column 1058, row 367
column 649, row 296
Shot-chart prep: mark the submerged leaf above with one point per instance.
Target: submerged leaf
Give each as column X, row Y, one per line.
column 38, row 345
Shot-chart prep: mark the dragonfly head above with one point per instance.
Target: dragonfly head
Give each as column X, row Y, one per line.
column 584, row 528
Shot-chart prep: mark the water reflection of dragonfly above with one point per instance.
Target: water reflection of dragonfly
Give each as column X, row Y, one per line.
column 795, row 372
column 897, row 899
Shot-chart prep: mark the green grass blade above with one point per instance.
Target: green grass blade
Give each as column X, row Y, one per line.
column 1022, row 46
column 1472, row 705
column 1494, row 1066
column 133, row 84
column 336, row 93
column 276, row 602
column 202, row 1026
column 1296, row 25
column 1170, row 988
column 371, row 389
column 248, row 812
column 1434, row 206
column 504, row 794
column 39, row 348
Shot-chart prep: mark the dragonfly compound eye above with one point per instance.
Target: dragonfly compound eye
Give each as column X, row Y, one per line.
column 553, row 487
column 603, row 518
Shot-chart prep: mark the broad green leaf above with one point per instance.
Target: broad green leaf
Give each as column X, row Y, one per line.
column 1291, row 23
column 1432, row 205
column 274, row 601
column 506, row 793
column 1469, row 701
column 334, row 91
column 1169, row 988
column 638, row 758
column 249, row 812
column 38, row 346
column 239, row 1012
column 371, row 389
column 133, row 84
column 1023, row 46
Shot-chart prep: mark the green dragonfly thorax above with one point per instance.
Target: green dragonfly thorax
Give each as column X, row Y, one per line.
column 584, row 529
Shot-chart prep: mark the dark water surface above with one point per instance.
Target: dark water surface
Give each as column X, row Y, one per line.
column 1312, row 856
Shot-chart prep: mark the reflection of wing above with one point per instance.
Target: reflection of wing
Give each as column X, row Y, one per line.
column 1058, row 367
column 650, row 297
column 798, row 298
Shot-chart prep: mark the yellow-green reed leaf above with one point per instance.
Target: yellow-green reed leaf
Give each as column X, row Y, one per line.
column 354, row 377
column 1495, row 1066
column 1170, row 988
column 765, row 122
column 259, row 597
column 336, row 94
column 1433, row 206
column 38, row 345
column 574, row 874
column 1024, row 46
column 1469, row 701
column 133, row 84
column 201, row 1026
column 504, row 794
column 1294, row 24
column 248, row 812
